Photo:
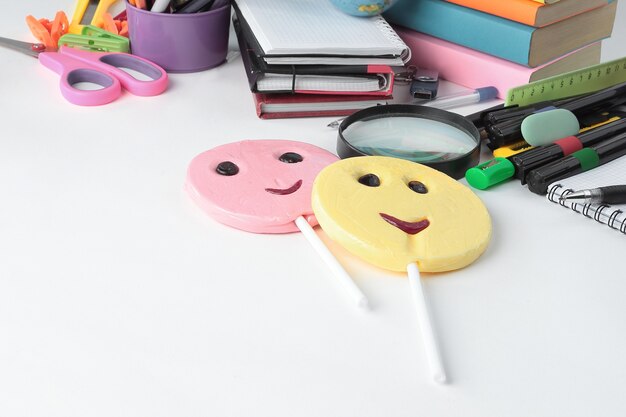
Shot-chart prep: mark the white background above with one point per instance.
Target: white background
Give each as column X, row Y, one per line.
column 118, row 297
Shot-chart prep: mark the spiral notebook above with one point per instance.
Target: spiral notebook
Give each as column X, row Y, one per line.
column 312, row 32
column 612, row 173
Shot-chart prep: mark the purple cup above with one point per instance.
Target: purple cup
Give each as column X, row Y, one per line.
column 180, row 42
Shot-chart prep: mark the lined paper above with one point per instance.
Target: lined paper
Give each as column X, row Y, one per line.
column 316, row 27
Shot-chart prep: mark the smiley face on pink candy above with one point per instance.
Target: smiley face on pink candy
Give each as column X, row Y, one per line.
column 259, row 186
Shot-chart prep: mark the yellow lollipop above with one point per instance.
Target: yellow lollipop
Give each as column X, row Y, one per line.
column 402, row 216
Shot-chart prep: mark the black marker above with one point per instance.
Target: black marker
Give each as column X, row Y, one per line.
column 520, row 164
column 580, row 161
column 504, row 126
column 542, row 155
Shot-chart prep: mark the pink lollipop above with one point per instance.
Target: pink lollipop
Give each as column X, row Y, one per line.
column 264, row 186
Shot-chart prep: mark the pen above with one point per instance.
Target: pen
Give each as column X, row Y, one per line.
column 463, row 99
column 612, row 194
column 580, row 161
column 447, row 102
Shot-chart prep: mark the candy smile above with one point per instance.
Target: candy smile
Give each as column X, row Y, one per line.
column 411, row 228
column 285, row 191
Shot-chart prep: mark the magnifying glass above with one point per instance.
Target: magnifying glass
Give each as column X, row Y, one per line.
column 437, row 138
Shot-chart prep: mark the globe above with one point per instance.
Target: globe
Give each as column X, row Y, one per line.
column 363, row 7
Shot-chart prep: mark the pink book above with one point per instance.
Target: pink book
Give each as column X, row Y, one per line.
column 473, row 69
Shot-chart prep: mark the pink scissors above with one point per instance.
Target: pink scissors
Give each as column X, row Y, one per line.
column 101, row 68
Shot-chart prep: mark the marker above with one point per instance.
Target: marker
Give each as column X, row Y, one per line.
column 463, row 99
column 543, row 155
column 508, row 128
column 612, row 194
column 580, row 161
column 518, row 165
column 504, row 126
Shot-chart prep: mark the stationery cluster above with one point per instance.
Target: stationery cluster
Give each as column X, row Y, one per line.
column 547, row 142
column 531, row 142
column 503, row 43
column 306, row 57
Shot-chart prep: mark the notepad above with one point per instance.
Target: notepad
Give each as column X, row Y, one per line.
column 611, row 173
column 302, row 32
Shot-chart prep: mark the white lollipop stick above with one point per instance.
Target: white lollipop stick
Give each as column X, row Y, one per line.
column 423, row 317
column 332, row 262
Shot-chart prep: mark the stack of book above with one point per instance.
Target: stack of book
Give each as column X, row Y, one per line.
column 307, row 58
column 503, row 43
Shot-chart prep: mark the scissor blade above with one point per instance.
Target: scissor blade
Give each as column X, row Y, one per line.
column 32, row 49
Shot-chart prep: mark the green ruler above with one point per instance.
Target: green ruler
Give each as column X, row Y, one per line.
column 583, row 81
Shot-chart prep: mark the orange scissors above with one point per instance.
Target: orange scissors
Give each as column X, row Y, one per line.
column 48, row 32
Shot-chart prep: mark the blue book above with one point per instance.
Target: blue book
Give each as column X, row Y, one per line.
column 522, row 44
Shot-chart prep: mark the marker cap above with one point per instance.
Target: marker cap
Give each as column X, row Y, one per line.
column 490, row 173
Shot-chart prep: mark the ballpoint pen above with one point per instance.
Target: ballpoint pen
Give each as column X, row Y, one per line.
column 447, row 102
column 612, row 194
column 463, row 99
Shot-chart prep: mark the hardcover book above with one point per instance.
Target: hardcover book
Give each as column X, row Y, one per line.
column 493, row 35
column 475, row 69
column 530, row 12
column 279, row 106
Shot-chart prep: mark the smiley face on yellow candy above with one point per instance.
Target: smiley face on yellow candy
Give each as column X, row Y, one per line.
column 392, row 212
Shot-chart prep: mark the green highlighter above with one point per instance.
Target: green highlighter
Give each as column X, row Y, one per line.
column 95, row 39
column 490, row 173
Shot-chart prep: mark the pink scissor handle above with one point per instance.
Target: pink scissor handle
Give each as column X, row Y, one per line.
column 103, row 68
column 73, row 71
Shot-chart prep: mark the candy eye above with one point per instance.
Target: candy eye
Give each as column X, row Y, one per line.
column 418, row 187
column 370, row 180
column 290, row 158
column 227, row 168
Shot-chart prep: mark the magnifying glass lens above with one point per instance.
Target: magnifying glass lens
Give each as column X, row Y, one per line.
column 413, row 138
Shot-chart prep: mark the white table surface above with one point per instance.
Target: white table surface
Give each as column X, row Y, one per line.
column 118, row 297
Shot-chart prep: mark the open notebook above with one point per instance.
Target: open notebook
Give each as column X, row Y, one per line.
column 611, row 173
column 302, row 32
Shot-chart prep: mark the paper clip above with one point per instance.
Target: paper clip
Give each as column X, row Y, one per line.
column 94, row 39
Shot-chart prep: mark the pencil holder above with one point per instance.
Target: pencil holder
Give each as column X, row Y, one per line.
column 180, row 42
